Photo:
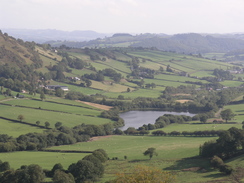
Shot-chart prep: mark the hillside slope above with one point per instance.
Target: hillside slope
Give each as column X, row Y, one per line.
column 17, row 52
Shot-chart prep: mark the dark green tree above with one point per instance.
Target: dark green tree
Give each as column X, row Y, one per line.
column 47, row 124
column 62, row 177
column 82, row 171
column 38, row 123
column 57, row 166
column 59, row 92
column 203, row 118
column 58, row 124
column 227, row 114
column 150, row 152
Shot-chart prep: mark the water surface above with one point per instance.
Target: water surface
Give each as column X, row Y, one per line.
column 138, row 118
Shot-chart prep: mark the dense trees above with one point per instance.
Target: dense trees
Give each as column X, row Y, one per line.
column 227, row 145
column 26, row 174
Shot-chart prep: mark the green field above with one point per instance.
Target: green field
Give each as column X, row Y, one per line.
column 70, row 116
column 238, row 110
column 16, row 129
column 45, row 159
column 171, row 151
column 134, row 146
column 199, row 127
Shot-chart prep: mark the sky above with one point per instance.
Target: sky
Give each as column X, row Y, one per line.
column 125, row 16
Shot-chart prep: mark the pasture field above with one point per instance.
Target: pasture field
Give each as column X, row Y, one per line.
column 177, row 78
column 55, row 106
column 46, row 62
column 45, row 159
column 217, row 56
column 84, row 90
column 180, row 62
column 69, row 120
column 113, row 87
column 134, row 146
column 202, row 73
column 198, row 127
column 16, row 129
column 172, row 152
column 81, row 56
column 78, row 72
column 137, row 93
column 238, row 110
column 232, row 83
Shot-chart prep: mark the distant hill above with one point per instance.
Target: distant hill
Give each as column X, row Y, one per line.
column 44, row 35
column 181, row 43
column 192, row 43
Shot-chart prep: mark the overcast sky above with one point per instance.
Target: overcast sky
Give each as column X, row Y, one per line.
column 130, row 16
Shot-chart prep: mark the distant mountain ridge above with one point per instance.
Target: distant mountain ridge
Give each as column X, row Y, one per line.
column 192, row 43
column 181, row 43
column 44, row 35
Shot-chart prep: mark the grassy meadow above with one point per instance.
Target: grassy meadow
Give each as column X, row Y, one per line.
column 70, row 116
column 45, row 159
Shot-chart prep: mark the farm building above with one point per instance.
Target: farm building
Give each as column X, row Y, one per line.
column 54, row 87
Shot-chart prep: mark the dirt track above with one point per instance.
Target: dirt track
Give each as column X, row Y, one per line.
column 99, row 106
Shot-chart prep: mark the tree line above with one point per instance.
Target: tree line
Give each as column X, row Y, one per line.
column 54, row 137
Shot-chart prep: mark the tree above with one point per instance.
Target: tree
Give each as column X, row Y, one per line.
column 203, row 118
column 150, row 152
column 42, row 96
column 47, row 124
column 128, row 90
column 4, row 166
column 38, row 123
column 21, row 117
column 59, row 92
column 88, row 82
column 227, row 114
column 58, row 124
column 57, row 166
column 62, row 177
column 83, row 170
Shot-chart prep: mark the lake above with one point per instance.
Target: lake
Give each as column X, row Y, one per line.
column 138, row 118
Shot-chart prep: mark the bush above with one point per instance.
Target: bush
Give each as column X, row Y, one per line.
column 226, row 169
column 216, row 162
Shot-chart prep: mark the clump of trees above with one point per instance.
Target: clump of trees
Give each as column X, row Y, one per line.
column 218, row 163
column 31, row 173
column 229, row 144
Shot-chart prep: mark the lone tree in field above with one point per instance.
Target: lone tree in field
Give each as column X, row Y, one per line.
column 47, row 124
column 21, row 117
column 58, row 124
column 227, row 114
column 42, row 96
column 38, row 123
column 150, row 152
